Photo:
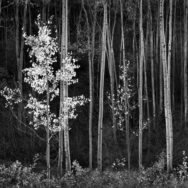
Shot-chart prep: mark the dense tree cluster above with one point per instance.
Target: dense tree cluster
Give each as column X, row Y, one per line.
column 132, row 59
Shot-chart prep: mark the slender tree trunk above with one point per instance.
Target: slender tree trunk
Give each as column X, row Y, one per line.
column 140, row 94
column 111, row 65
column 101, row 94
column 64, row 128
column 166, row 60
column 125, row 90
column 20, row 51
column 19, row 64
column 152, row 77
column 48, row 130
column 174, row 52
column 90, row 84
column 185, row 63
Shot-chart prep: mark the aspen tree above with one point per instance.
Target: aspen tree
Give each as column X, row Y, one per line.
column 125, row 84
column 64, row 89
column 166, row 61
column 185, row 81
column 90, row 41
column 19, row 50
column 140, row 94
column 101, row 92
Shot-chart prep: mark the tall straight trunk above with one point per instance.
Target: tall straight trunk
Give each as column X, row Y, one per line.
column 185, row 81
column 101, row 92
column 149, row 37
column 166, row 61
column 174, row 52
column 48, row 130
column 90, row 55
column 125, row 90
column 19, row 67
column 182, row 73
column 152, row 77
column 160, row 66
column 64, row 127
column 140, row 94
column 19, row 51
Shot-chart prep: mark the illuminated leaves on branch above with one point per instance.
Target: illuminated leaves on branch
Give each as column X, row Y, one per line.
column 42, row 78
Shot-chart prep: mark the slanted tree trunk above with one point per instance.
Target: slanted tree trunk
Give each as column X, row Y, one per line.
column 166, row 61
column 101, row 92
column 111, row 66
column 140, row 94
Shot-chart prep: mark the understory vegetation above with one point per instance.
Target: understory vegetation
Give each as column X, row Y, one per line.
column 18, row 175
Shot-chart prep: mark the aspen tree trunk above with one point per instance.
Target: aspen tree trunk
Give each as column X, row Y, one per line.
column 111, row 65
column 140, row 94
column 112, row 68
column 174, row 52
column 182, row 73
column 152, row 77
column 20, row 52
column 48, row 129
column 19, row 63
column 185, row 63
column 61, row 112
column 64, row 128
column 166, row 61
column 125, row 90
column 160, row 67
column 169, row 86
column 90, row 84
column 101, row 92
column 150, row 55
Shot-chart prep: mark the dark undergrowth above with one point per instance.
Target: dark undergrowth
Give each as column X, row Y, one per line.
column 17, row 175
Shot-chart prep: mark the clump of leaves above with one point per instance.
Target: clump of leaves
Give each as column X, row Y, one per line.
column 119, row 164
column 182, row 172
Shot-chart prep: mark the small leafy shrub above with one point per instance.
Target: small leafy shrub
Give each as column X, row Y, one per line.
column 154, row 175
column 19, row 175
column 119, row 164
column 182, row 170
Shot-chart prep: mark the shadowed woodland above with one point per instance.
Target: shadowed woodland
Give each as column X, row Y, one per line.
column 122, row 67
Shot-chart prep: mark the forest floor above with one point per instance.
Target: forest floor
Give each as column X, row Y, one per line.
column 17, row 175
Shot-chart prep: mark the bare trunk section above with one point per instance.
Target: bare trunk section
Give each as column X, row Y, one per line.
column 90, row 58
column 111, row 65
column 166, row 60
column 125, row 90
column 185, row 63
column 19, row 51
column 48, row 129
column 140, row 94
column 101, row 94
